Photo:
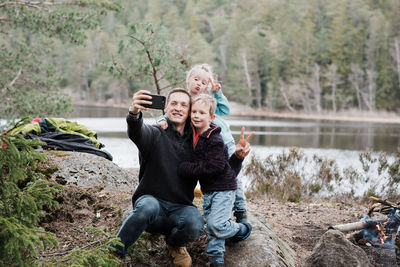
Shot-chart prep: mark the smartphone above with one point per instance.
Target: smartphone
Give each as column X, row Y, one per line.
column 158, row 102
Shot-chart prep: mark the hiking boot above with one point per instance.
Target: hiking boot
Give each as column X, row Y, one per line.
column 180, row 255
column 217, row 261
column 241, row 216
column 242, row 234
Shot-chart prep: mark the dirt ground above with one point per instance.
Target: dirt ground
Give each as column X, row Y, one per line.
column 298, row 224
column 302, row 224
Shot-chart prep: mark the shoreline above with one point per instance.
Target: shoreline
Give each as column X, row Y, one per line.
column 239, row 110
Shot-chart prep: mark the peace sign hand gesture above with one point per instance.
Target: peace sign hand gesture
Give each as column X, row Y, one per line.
column 215, row 85
column 243, row 146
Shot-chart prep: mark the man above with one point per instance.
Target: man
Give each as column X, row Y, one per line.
column 162, row 202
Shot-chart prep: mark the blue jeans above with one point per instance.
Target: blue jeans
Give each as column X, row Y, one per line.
column 217, row 208
column 179, row 223
column 240, row 199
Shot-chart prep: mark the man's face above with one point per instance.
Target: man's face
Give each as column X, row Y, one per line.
column 178, row 108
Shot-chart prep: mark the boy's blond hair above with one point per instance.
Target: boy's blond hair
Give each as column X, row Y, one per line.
column 206, row 99
column 206, row 67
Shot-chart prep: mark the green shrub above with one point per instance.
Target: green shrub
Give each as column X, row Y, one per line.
column 291, row 176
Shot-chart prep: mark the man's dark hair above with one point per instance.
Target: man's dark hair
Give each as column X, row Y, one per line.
column 179, row 90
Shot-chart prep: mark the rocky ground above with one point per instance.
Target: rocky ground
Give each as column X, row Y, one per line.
column 302, row 224
column 298, row 224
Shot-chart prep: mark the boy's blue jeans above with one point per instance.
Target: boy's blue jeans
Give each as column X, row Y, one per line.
column 217, row 208
column 179, row 223
column 240, row 199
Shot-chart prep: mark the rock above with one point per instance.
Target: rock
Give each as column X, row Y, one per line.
column 335, row 250
column 262, row 248
column 85, row 170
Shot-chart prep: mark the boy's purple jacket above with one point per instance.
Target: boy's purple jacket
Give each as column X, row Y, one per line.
column 209, row 163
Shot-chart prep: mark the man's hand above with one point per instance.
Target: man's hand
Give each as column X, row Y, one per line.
column 163, row 124
column 243, row 147
column 215, row 85
column 139, row 98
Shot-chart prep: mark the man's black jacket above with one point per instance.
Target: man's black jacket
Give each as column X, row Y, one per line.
column 160, row 153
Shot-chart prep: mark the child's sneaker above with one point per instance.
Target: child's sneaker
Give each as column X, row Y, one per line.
column 241, row 216
column 217, row 261
column 242, row 234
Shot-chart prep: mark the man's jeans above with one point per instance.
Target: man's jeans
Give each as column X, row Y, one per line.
column 217, row 209
column 179, row 223
column 240, row 199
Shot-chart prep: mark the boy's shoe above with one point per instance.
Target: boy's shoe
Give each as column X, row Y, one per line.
column 217, row 261
column 242, row 234
column 180, row 255
column 241, row 216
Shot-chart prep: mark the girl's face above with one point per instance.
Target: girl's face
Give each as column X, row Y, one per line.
column 198, row 82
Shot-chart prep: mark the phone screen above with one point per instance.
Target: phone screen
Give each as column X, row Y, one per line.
column 158, row 102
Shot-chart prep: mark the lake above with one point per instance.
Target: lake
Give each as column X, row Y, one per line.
column 341, row 141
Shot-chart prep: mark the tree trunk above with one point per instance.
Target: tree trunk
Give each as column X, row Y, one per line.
column 258, row 91
column 371, row 75
column 315, row 86
column 356, row 80
column 246, row 72
column 334, row 97
column 282, row 87
column 224, row 61
column 397, row 48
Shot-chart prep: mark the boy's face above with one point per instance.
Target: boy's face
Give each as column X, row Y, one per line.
column 198, row 82
column 200, row 116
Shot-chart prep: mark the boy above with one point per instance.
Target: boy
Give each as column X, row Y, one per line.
column 209, row 164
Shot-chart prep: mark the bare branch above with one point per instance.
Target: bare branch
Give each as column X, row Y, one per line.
column 61, row 253
column 171, row 84
column 12, row 82
column 133, row 37
column 385, row 202
column 38, row 4
column 154, row 70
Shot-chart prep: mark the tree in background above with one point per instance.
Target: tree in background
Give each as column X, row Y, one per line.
column 147, row 56
column 29, row 82
column 254, row 46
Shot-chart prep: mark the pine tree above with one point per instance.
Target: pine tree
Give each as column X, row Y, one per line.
column 23, row 194
column 29, row 82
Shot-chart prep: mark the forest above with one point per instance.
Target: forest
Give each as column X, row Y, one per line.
column 303, row 55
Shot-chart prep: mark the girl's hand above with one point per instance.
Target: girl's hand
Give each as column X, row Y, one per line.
column 215, row 85
column 163, row 124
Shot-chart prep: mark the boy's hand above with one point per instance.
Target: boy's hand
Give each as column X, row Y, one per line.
column 243, row 147
column 215, row 85
column 163, row 124
column 140, row 98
